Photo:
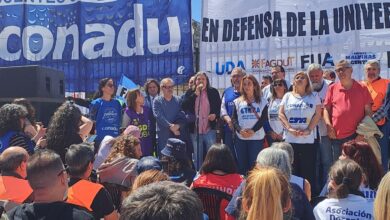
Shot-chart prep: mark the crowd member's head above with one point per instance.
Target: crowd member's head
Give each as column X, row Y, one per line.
column 148, row 163
column 344, row 70
column 177, row 162
column 80, row 158
column 279, row 88
column 250, row 88
column 330, row 75
column 382, row 200
column 162, row 200
column 167, row 85
column 301, row 82
column 106, row 88
column 265, row 81
column 148, row 177
column 125, row 146
column 132, row 130
column 266, row 194
column 202, row 78
column 13, row 160
column 134, row 98
column 236, row 76
column 361, row 153
column 12, row 118
column 273, row 157
column 152, row 87
column 191, row 83
column 220, row 158
column 286, row 147
column 345, row 177
column 63, row 129
column 278, row 72
column 316, row 76
column 29, row 107
column 47, row 176
column 372, row 69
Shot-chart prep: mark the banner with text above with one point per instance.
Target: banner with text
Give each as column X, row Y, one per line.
column 257, row 35
column 92, row 39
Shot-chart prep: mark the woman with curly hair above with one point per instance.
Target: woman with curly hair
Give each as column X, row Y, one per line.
column 119, row 170
column 67, row 127
column 33, row 129
column 105, row 111
column 12, row 121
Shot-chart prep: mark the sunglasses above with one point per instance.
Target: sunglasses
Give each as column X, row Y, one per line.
column 300, row 78
column 341, row 69
column 167, row 87
column 110, row 85
column 278, row 85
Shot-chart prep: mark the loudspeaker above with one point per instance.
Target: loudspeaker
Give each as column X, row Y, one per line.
column 43, row 87
column 31, row 81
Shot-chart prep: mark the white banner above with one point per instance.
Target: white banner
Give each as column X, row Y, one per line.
column 257, row 35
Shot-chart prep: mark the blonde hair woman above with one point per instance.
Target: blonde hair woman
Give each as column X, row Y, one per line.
column 382, row 200
column 266, row 195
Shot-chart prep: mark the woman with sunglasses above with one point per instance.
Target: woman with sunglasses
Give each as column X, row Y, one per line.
column 300, row 112
column 278, row 89
column 249, row 117
column 105, row 111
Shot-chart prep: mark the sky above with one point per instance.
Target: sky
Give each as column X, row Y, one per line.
column 196, row 9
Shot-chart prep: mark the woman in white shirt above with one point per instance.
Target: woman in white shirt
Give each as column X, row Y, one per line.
column 346, row 201
column 249, row 116
column 278, row 89
column 300, row 112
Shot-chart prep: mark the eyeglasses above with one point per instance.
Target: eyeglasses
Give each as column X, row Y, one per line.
column 278, row 85
column 341, row 69
column 167, row 87
column 300, row 78
column 110, row 85
column 62, row 171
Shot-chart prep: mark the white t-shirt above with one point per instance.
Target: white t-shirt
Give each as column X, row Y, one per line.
column 352, row 207
column 299, row 112
column 247, row 119
column 322, row 94
column 273, row 116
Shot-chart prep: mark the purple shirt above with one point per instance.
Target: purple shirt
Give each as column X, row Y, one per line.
column 143, row 122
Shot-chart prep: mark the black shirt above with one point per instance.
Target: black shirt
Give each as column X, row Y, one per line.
column 102, row 204
column 48, row 211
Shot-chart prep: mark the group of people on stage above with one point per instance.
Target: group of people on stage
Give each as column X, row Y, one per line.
column 296, row 142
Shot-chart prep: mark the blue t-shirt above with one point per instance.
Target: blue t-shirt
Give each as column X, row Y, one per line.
column 107, row 115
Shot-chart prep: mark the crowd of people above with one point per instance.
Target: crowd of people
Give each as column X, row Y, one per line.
column 313, row 148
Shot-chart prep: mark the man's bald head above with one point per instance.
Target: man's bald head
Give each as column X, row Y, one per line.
column 12, row 158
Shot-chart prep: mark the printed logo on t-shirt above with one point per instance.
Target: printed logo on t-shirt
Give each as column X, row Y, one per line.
column 300, row 105
column 336, row 213
column 296, row 120
column 110, row 115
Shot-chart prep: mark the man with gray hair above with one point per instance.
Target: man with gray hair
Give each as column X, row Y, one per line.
column 324, row 155
column 346, row 103
column 227, row 106
column 162, row 200
column 377, row 87
column 48, row 178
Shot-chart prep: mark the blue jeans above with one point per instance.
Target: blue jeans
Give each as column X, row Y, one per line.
column 228, row 141
column 205, row 141
column 336, row 146
column 384, row 143
column 247, row 151
column 325, row 158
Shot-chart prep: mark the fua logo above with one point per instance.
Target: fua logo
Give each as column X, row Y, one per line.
column 227, row 67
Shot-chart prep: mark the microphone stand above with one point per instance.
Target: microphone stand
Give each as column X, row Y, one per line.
column 197, row 129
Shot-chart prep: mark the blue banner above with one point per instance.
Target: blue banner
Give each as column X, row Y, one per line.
column 93, row 39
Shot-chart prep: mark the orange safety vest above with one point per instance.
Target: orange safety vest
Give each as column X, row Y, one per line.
column 14, row 189
column 377, row 90
column 83, row 193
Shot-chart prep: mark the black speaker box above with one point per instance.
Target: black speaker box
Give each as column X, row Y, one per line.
column 43, row 87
